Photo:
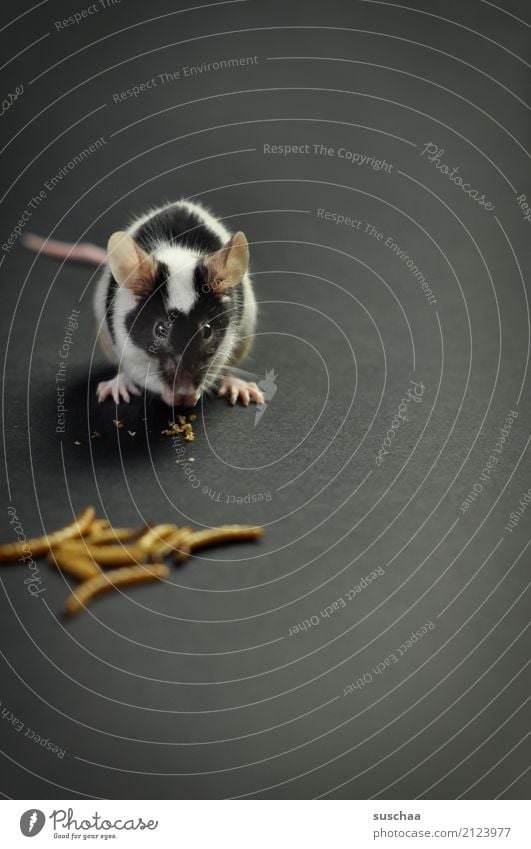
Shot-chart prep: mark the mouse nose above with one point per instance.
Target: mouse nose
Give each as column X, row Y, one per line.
column 177, row 399
column 188, row 391
column 185, row 379
column 189, row 400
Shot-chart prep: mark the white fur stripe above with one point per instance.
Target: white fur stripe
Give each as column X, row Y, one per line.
column 181, row 290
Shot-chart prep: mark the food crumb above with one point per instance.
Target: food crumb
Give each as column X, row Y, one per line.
column 131, row 432
column 183, row 427
column 77, row 443
column 95, row 435
column 118, row 423
column 172, row 430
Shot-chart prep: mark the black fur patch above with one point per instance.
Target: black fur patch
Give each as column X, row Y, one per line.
column 178, row 226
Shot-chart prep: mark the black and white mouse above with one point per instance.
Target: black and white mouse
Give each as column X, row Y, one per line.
column 174, row 305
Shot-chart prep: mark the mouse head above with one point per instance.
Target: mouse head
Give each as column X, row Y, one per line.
column 177, row 312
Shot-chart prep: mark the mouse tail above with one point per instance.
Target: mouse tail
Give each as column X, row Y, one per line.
column 82, row 252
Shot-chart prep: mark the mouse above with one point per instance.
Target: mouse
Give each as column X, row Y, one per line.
column 174, row 305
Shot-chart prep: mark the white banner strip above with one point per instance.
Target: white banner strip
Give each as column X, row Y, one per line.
column 256, row 824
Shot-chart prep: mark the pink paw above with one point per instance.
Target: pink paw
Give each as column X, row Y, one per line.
column 234, row 388
column 118, row 387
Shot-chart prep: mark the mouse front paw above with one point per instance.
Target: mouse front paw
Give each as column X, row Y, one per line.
column 118, row 388
column 234, row 388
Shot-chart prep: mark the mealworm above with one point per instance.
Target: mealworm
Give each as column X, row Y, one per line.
column 110, row 580
column 41, row 545
column 225, row 533
column 99, row 525
column 113, row 535
column 155, row 535
column 109, row 555
column 77, row 565
column 176, row 543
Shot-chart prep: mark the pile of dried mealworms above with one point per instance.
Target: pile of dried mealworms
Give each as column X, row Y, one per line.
column 87, row 547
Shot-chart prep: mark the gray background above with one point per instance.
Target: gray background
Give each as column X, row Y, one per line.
column 194, row 688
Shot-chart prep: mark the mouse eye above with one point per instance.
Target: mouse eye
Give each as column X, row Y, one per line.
column 206, row 331
column 160, row 329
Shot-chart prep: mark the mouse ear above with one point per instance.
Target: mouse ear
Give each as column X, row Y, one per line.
column 226, row 267
column 130, row 266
